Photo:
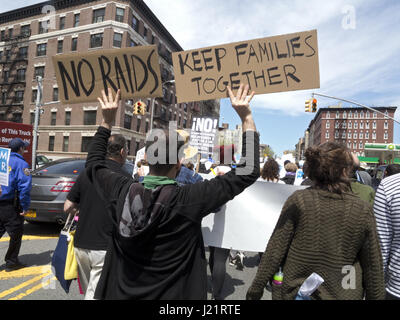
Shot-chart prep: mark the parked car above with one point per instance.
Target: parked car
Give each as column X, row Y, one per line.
column 50, row 186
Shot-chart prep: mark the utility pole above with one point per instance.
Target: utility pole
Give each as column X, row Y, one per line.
column 36, row 123
column 356, row 103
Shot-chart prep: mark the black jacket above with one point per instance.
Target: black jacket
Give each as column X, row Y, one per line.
column 163, row 258
column 94, row 228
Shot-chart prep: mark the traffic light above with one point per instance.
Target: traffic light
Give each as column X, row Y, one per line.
column 139, row 108
column 308, row 106
column 135, row 109
column 314, row 105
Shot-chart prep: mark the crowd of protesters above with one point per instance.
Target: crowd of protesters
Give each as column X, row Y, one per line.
column 152, row 247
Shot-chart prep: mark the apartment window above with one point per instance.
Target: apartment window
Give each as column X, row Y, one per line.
column 41, row 49
column 356, row 115
column 65, row 144
column 349, row 145
column 361, row 135
column 74, row 44
column 326, row 134
column 344, row 135
column 19, row 96
column 133, row 43
column 76, row 20
column 337, row 114
column 39, row 71
column 375, row 115
column 367, row 125
column 344, row 115
column 349, row 135
column 85, row 143
column 6, row 75
column 367, row 135
column 336, row 134
column 138, row 123
column 328, row 115
column 43, row 26
column 32, row 118
column 362, row 125
column 135, row 23
column 98, row 15
column 53, row 118
column 117, row 41
column 355, row 135
column 127, row 121
column 367, row 115
column 344, row 125
column 60, row 44
column 350, row 125
column 89, row 117
column 128, row 146
column 3, row 97
column 137, row 146
column 51, row 143
column 374, row 135
column 374, row 125
column 34, row 95
column 350, row 114
column 355, row 125
column 354, row 145
column 23, row 52
column 67, row 118
column 96, row 40
column 55, row 94
column 147, row 127
column 119, row 15
column 21, row 74
column 2, row 35
column 386, row 125
column 360, row 145
column 25, row 30
column 362, row 114
column 62, row 23
column 145, row 34
column 385, row 136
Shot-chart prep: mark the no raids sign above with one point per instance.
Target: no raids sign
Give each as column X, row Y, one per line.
column 135, row 70
column 274, row 64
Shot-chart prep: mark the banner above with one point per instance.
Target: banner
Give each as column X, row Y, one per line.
column 246, row 223
column 134, row 70
column 4, row 160
column 274, row 64
column 203, row 134
column 10, row 130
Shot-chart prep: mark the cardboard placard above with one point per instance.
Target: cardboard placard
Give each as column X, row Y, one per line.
column 134, row 70
column 274, row 64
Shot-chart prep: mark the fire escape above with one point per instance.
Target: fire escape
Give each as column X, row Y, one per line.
column 13, row 67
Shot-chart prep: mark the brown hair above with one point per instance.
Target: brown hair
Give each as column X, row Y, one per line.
column 270, row 170
column 329, row 166
column 291, row 167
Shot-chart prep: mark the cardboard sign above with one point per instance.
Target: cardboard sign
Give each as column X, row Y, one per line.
column 135, row 70
column 274, row 64
column 4, row 160
column 203, row 133
column 10, row 130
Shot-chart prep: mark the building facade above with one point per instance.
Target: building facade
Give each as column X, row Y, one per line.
column 354, row 127
column 30, row 36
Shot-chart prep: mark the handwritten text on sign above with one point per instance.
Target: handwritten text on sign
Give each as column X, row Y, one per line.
column 81, row 77
column 275, row 64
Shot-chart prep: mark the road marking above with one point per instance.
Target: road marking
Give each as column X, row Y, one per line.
column 45, row 237
column 25, row 272
column 22, row 285
column 33, row 289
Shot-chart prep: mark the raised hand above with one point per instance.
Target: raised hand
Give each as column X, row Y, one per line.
column 109, row 106
column 241, row 104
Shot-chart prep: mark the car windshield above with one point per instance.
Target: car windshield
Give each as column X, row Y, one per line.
column 74, row 167
column 43, row 159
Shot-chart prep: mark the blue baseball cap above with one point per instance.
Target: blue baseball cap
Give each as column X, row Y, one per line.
column 17, row 143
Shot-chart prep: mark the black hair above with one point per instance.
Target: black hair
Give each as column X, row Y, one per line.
column 115, row 143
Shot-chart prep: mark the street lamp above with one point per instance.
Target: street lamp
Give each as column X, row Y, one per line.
column 169, row 82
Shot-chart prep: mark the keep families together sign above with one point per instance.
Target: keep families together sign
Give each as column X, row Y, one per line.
column 273, row 64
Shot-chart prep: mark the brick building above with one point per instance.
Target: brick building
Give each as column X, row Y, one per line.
column 354, row 127
column 30, row 36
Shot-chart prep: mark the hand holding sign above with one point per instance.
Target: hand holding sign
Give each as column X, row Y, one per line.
column 109, row 107
column 241, row 104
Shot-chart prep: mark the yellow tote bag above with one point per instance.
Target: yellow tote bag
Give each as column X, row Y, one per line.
column 71, row 265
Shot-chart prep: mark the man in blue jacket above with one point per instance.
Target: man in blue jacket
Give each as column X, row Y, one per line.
column 14, row 202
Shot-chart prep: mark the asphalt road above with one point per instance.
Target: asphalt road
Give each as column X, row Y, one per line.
column 36, row 282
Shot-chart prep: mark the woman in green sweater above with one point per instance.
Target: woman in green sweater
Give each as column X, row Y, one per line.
column 324, row 229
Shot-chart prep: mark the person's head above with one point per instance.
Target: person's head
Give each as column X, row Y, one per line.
column 163, row 161
column 139, row 164
column 17, row 145
column 270, row 170
column 189, row 165
column 329, row 166
column 290, row 167
column 117, row 148
column 286, row 162
column 392, row 169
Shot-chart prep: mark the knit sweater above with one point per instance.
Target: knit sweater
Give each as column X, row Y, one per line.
column 330, row 234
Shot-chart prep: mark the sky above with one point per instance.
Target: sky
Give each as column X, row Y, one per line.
column 358, row 44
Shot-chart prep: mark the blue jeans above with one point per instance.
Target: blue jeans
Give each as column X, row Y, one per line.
column 301, row 297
